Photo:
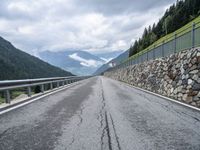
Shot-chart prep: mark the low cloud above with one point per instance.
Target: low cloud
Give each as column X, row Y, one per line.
column 90, row 25
column 84, row 62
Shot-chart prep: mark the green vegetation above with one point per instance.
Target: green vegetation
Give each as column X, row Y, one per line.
column 169, row 37
column 1, row 100
column 16, row 64
column 16, row 94
column 174, row 18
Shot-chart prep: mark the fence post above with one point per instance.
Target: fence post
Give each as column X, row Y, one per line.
column 193, row 34
column 163, row 48
column 51, row 85
column 7, row 95
column 147, row 54
column 142, row 57
column 174, row 42
column 154, row 52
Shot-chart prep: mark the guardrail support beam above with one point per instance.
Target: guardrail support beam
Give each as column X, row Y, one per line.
column 42, row 88
column 51, row 85
column 7, row 96
column 29, row 91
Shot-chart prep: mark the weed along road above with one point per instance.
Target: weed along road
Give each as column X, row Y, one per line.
column 100, row 114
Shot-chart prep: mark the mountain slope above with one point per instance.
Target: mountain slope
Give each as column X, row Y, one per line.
column 16, row 64
column 116, row 60
column 77, row 62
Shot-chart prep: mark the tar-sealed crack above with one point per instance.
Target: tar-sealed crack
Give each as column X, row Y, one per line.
column 80, row 117
column 4, row 132
column 78, row 125
column 105, row 116
column 116, row 136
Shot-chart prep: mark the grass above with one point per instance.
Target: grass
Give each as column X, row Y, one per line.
column 2, row 100
column 185, row 29
column 16, row 94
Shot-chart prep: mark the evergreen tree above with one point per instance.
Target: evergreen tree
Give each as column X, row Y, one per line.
column 175, row 17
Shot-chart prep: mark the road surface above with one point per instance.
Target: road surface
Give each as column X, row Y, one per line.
column 100, row 114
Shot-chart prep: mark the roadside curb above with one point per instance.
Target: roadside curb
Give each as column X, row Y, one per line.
column 161, row 96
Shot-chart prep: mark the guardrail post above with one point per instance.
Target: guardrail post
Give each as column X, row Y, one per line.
column 58, row 84
column 63, row 83
column 7, row 96
column 29, row 91
column 42, row 88
column 51, row 85
column 174, row 42
column 193, row 34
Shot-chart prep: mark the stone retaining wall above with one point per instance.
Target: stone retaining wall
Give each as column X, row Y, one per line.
column 176, row 76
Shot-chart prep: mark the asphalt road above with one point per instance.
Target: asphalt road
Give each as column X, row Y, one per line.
column 100, row 114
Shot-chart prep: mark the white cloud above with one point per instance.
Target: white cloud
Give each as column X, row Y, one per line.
column 94, row 26
column 85, row 62
column 106, row 59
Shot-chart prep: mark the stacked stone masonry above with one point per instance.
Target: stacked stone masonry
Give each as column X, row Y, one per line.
column 176, row 76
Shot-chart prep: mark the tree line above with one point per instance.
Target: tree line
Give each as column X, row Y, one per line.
column 178, row 15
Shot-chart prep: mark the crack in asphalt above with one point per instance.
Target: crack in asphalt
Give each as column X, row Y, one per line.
column 4, row 132
column 108, row 131
column 116, row 136
column 102, row 137
column 102, row 117
column 80, row 117
column 72, row 142
column 106, row 127
column 78, row 125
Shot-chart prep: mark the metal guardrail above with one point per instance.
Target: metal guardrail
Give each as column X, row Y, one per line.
column 7, row 86
column 182, row 39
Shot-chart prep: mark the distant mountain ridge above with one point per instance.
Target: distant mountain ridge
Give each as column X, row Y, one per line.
column 78, row 62
column 16, row 64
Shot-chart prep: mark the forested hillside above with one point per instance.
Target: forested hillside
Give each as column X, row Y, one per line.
column 175, row 17
column 15, row 64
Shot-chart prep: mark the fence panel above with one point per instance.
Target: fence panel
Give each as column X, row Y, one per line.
column 150, row 55
column 168, row 48
column 145, row 57
column 158, row 52
column 197, row 37
column 177, row 44
column 184, row 42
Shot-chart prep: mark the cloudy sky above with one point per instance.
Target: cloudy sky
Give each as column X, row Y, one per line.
column 92, row 25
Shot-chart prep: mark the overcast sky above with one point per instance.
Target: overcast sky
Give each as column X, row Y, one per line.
column 92, row 25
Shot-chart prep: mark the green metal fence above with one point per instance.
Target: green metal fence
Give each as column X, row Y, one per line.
column 185, row 38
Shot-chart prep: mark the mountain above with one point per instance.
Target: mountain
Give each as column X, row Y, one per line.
column 16, row 64
column 77, row 62
column 116, row 60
